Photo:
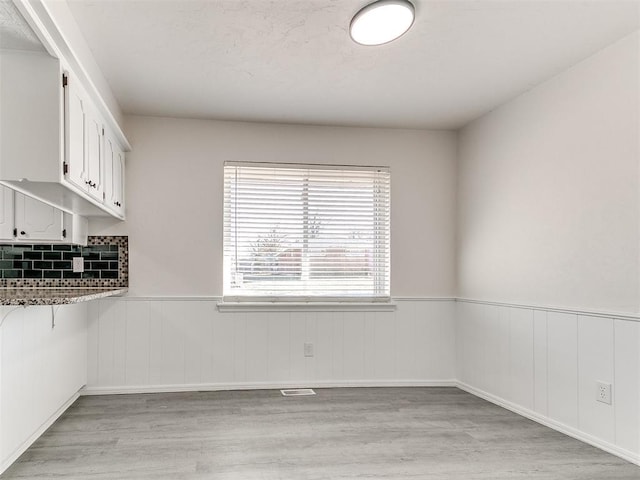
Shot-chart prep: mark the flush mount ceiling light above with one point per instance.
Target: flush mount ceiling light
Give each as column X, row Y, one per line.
column 382, row 21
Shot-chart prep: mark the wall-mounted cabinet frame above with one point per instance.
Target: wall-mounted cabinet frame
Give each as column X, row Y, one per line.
column 66, row 166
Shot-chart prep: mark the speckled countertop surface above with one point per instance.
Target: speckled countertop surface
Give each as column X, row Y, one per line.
column 55, row 296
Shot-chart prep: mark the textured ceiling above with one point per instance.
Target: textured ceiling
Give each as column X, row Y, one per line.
column 15, row 33
column 293, row 61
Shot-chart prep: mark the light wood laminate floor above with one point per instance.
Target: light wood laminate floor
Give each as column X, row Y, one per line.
column 363, row 433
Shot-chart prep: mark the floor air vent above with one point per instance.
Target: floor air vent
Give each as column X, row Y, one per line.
column 297, row 392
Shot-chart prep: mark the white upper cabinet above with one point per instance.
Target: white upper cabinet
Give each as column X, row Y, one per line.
column 75, row 125
column 26, row 220
column 94, row 161
column 37, row 221
column 94, row 156
column 6, row 213
column 52, row 141
column 114, row 174
column 84, row 132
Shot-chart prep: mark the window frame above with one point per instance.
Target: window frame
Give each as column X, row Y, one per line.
column 381, row 226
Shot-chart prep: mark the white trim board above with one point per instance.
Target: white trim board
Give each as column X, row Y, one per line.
column 232, row 307
column 635, row 317
column 213, row 387
column 217, row 298
column 546, row 308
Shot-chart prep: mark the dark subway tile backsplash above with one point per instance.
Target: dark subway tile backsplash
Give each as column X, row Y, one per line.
column 105, row 264
column 29, row 260
column 32, row 273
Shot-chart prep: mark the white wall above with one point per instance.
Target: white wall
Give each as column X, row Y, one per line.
column 174, row 197
column 548, row 191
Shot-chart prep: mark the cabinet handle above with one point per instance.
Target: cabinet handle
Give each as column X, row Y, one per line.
column 22, row 232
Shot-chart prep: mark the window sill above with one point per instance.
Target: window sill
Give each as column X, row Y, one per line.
column 306, row 306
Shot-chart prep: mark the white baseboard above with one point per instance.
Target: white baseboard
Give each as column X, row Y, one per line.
column 211, row 387
column 7, row 462
column 548, row 422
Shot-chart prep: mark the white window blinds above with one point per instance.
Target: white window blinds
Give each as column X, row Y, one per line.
column 306, row 232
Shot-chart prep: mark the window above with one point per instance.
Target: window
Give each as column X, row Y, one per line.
column 306, row 232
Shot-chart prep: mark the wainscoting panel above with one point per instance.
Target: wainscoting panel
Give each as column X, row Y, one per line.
column 184, row 344
column 626, row 395
column 562, row 367
column 554, row 361
column 540, row 367
column 595, row 363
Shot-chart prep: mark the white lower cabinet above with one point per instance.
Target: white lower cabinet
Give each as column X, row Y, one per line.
column 25, row 219
column 43, row 364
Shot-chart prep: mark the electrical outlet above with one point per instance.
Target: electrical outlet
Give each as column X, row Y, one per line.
column 78, row 264
column 603, row 392
column 308, row 349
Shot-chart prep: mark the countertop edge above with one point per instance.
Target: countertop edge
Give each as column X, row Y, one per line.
column 44, row 297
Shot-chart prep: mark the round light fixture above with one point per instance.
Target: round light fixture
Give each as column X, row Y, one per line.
column 382, row 21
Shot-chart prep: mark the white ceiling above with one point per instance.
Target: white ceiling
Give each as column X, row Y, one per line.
column 292, row 61
column 15, row 33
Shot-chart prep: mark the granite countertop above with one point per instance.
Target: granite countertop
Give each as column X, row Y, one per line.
column 55, row 296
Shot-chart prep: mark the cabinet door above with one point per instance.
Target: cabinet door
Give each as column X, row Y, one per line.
column 114, row 175
column 75, row 118
column 6, row 213
column 35, row 220
column 94, row 155
column 118, row 176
